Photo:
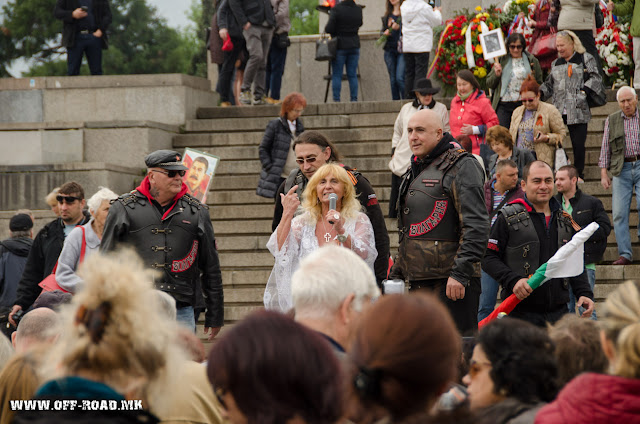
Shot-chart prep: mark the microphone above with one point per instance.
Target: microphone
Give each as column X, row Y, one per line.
column 333, row 200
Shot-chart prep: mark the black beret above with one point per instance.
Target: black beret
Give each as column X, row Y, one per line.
column 20, row 222
column 165, row 159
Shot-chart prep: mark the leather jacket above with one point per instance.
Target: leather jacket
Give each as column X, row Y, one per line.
column 180, row 244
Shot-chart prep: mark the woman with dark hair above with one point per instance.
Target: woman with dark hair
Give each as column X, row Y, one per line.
column 269, row 369
column 404, row 354
column 471, row 112
column 345, row 20
column 276, row 153
column 512, row 372
column 507, row 76
column 573, row 78
column 500, row 141
column 536, row 125
column 393, row 58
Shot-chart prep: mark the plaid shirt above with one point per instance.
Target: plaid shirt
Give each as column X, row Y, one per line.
column 631, row 139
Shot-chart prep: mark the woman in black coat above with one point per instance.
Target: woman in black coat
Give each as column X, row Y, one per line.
column 276, row 155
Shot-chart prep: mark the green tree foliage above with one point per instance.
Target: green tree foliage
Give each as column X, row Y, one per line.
column 200, row 14
column 140, row 42
column 304, row 17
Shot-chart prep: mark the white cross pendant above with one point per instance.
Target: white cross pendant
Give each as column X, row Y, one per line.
column 327, row 237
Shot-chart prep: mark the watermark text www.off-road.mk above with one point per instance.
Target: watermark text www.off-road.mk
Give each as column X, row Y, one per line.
column 73, row 404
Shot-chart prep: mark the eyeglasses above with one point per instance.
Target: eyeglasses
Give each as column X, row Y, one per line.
column 170, row 174
column 516, row 46
column 475, row 367
column 219, row 397
column 69, row 200
column 311, row 159
column 529, row 100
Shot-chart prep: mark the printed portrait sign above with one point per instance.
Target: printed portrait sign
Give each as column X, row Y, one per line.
column 202, row 167
column 493, row 44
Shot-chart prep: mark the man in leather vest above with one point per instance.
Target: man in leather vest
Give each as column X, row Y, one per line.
column 172, row 232
column 313, row 150
column 620, row 155
column 526, row 235
column 442, row 219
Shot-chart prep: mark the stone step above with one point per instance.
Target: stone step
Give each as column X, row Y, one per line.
column 310, row 122
column 311, row 109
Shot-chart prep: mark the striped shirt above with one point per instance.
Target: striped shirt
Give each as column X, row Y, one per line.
column 497, row 199
column 631, row 139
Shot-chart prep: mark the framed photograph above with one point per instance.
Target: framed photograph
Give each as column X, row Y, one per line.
column 202, row 167
column 493, row 44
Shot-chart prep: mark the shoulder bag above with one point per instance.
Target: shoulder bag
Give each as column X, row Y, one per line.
column 326, row 48
column 50, row 283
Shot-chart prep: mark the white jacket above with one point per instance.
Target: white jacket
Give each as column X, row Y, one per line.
column 401, row 158
column 418, row 20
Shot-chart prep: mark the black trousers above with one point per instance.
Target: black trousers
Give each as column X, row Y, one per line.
column 225, row 74
column 89, row 45
column 504, row 112
column 463, row 311
column 416, row 66
column 578, row 134
column 540, row 318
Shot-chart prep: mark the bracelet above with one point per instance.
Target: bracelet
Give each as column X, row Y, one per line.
column 342, row 237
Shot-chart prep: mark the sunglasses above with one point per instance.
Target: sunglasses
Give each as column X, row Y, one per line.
column 171, row 174
column 475, row 367
column 219, row 397
column 529, row 100
column 69, row 200
column 301, row 161
column 516, row 46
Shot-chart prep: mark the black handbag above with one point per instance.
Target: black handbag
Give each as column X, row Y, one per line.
column 326, row 48
column 282, row 40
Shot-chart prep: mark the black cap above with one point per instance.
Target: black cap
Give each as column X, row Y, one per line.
column 20, row 222
column 165, row 159
column 424, row 87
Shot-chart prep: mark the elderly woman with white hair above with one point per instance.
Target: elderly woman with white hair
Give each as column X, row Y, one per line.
column 83, row 240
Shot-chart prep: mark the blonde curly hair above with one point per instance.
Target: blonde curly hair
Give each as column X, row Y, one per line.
column 350, row 204
column 114, row 332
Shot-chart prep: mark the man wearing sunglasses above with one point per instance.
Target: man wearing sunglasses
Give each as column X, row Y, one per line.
column 313, row 150
column 172, row 232
column 48, row 244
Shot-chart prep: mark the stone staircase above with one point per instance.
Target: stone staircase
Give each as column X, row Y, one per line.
column 362, row 134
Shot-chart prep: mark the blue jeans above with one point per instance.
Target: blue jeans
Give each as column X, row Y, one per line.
column 275, row 69
column 348, row 57
column 85, row 44
column 395, row 66
column 488, row 296
column 186, row 317
column 623, row 186
column 591, row 273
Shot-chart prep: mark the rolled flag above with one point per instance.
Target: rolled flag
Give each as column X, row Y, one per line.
column 567, row 262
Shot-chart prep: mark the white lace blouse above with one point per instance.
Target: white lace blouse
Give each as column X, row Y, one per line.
column 300, row 242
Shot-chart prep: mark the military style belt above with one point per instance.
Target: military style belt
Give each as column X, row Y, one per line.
column 632, row 158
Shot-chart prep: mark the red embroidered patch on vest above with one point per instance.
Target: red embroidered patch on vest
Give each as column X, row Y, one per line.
column 185, row 264
column 432, row 220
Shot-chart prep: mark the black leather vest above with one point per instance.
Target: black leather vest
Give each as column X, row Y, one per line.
column 522, row 254
column 169, row 245
column 427, row 210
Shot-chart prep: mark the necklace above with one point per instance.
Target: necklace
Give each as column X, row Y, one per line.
column 327, row 234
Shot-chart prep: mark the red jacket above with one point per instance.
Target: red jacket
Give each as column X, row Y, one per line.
column 595, row 398
column 476, row 110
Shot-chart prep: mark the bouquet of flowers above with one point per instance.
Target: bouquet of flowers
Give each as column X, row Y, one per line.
column 451, row 54
column 380, row 42
column 615, row 48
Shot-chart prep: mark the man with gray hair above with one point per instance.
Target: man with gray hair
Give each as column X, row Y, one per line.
column 329, row 290
column 13, row 257
column 38, row 326
column 620, row 155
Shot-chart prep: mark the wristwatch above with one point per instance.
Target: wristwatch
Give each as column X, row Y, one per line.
column 342, row 237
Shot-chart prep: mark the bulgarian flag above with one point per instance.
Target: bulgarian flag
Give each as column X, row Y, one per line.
column 567, row 262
